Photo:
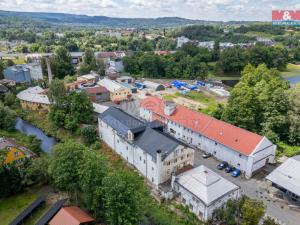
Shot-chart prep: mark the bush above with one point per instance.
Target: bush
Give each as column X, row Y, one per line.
column 89, row 134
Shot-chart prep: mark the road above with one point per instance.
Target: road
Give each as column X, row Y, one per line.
column 257, row 188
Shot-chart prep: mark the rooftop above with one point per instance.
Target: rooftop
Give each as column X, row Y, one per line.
column 71, row 216
column 34, row 94
column 287, row 175
column 205, row 184
column 229, row 135
column 111, row 85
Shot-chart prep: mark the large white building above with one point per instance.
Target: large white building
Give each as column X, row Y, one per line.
column 242, row 149
column 203, row 191
column 155, row 154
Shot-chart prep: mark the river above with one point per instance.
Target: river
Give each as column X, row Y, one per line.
column 293, row 80
column 27, row 128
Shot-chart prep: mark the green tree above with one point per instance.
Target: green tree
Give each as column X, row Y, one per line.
column 270, row 221
column 91, row 174
column 2, row 67
column 10, row 180
column 8, row 118
column 294, row 115
column 89, row 134
column 9, row 98
column 232, row 60
column 61, row 63
column 64, row 165
column 36, row 172
column 57, row 92
column 252, row 212
column 122, row 198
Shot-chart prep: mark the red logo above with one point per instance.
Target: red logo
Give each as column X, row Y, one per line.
column 285, row 15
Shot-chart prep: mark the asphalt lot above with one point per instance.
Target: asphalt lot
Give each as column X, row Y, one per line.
column 257, row 187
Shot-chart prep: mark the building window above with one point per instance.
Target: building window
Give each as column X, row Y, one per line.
column 152, row 168
column 175, row 160
column 239, row 165
column 182, row 157
column 187, row 155
column 152, row 180
column 183, row 200
column 240, row 155
column 140, row 158
column 172, row 131
column 144, row 161
column 216, row 143
column 118, row 141
column 191, row 206
column 168, row 163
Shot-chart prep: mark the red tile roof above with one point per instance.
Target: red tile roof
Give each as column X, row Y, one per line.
column 95, row 90
column 71, row 216
column 224, row 133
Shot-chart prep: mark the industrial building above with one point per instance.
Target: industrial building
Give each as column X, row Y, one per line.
column 286, row 178
column 117, row 91
column 155, row 154
column 154, row 86
column 242, row 149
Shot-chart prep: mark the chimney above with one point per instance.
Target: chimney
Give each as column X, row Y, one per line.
column 49, row 70
column 169, row 108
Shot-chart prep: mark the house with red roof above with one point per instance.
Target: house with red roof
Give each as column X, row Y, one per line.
column 71, row 216
column 242, row 149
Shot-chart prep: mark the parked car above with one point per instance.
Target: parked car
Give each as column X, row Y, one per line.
column 206, row 155
column 222, row 165
column 229, row 169
column 236, row 173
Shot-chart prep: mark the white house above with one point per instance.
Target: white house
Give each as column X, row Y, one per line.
column 203, row 191
column 153, row 153
column 242, row 149
column 181, row 41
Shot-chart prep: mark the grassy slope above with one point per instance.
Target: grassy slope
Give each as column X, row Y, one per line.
column 291, row 71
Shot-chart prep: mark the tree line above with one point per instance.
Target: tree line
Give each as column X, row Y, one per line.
column 263, row 102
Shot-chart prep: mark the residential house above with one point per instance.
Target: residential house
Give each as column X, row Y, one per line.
column 203, row 191
column 13, row 152
column 155, row 154
column 242, row 149
column 286, row 178
column 71, row 215
column 34, row 98
column 181, row 41
column 117, row 91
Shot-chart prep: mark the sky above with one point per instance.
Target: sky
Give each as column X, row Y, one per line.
column 225, row 10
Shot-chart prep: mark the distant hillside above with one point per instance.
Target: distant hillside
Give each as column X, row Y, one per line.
column 83, row 20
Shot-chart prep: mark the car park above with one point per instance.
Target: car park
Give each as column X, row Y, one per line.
column 206, row 155
column 236, row 173
column 222, row 165
column 229, row 169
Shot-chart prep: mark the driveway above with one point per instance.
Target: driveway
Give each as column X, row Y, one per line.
column 256, row 187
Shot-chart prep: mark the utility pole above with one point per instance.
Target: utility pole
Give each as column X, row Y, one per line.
column 49, row 70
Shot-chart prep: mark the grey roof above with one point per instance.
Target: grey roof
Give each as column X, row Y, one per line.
column 152, row 140
column 287, row 175
column 205, row 184
column 147, row 137
column 121, row 121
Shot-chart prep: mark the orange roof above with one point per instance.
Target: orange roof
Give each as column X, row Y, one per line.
column 70, row 216
column 224, row 133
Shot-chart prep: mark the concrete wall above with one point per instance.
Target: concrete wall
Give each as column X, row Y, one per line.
column 120, row 95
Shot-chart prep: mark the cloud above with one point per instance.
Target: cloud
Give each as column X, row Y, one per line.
column 193, row 9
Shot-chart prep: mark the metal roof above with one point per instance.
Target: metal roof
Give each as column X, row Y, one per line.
column 287, row 175
column 51, row 212
column 26, row 212
column 34, row 94
column 121, row 121
column 205, row 184
column 110, row 85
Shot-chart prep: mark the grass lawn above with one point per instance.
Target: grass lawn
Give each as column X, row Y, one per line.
column 292, row 70
column 204, row 98
column 12, row 206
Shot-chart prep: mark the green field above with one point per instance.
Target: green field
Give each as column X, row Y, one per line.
column 291, row 71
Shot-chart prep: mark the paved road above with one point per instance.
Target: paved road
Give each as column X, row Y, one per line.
column 256, row 187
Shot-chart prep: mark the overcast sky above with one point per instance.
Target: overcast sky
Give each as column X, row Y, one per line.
column 193, row 9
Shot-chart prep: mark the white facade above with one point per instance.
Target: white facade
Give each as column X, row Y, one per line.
column 181, row 41
column 263, row 153
column 203, row 191
column 157, row 170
